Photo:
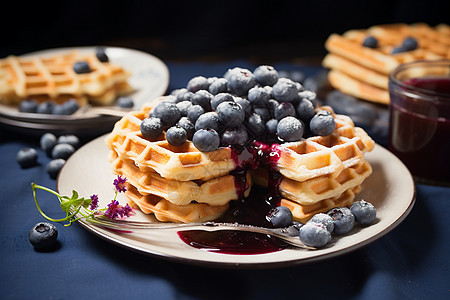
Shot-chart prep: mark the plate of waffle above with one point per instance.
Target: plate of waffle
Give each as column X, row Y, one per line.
column 180, row 184
column 49, row 78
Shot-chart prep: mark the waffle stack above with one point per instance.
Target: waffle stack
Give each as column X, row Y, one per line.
column 52, row 77
column 320, row 173
column 363, row 72
column 182, row 184
column 175, row 183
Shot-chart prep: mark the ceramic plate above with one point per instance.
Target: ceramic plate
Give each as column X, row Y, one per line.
column 149, row 79
column 390, row 189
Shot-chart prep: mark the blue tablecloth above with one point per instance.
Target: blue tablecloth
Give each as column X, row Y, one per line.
column 411, row 262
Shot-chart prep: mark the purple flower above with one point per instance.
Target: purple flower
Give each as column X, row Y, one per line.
column 94, row 202
column 119, row 183
column 113, row 210
column 126, row 211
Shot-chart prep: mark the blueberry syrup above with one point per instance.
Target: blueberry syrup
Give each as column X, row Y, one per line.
column 251, row 210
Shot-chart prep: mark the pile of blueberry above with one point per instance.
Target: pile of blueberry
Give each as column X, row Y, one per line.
column 59, row 149
column 408, row 44
column 238, row 107
column 318, row 230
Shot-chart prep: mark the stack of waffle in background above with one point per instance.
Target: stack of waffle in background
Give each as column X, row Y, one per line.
column 363, row 72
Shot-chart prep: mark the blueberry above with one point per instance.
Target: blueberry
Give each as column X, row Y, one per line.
column 258, row 96
column 219, row 98
column 187, row 125
column 396, row 50
column 63, row 151
column 176, row 136
column 67, row 108
column 323, row 219
column 28, row 106
column 272, row 104
column 280, row 216
column 255, row 125
column 246, row 105
column 308, row 95
column 27, row 157
column 69, row 139
column 314, row 235
column 206, row 140
column 183, row 107
column 322, row 123
column 101, row 55
column 198, row 83
column 240, row 81
column 266, row 75
column 305, row 110
column 184, row 95
column 410, row 43
column 208, row 120
column 46, row 107
column 167, row 112
column 54, row 166
column 271, row 127
column 230, row 114
column 194, row 112
column 284, row 109
column 343, row 220
column 218, row 86
column 43, row 235
column 263, row 112
column 235, row 136
column 364, row 212
column 48, row 141
column 370, row 42
column 81, row 67
column 151, row 128
column 285, row 90
column 125, row 102
column 290, row 129
column 202, row 98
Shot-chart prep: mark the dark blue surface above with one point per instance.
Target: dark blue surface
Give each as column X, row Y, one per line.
column 411, row 262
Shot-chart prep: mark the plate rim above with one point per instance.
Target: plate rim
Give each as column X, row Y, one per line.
column 97, row 231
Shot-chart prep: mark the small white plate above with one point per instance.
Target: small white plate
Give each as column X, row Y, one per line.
column 390, row 189
column 149, row 79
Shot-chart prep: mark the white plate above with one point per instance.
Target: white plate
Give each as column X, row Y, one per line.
column 149, row 79
column 390, row 189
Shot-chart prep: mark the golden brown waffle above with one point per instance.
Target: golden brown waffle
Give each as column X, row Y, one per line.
column 363, row 72
column 52, row 78
column 216, row 192
column 314, row 190
column 165, row 211
column 303, row 213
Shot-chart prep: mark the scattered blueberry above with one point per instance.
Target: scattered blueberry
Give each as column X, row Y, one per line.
column 27, row 157
column 370, row 42
column 69, row 139
column 54, row 166
column 290, row 129
column 151, row 128
column 28, row 106
column 101, row 55
column 198, row 83
column 66, row 108
column 206, row 140
column 230, row 114
column 409, row 44
column 364, row 212
column 266, row 75
column 235, row 136
column 63, row 151
column 81, row 67
column 48, row 141
column 284, row 109
column 176, row 136
column 285, row 90
column 125, row 102
column 218, row 86
column 323, row 219
column 322, row 123
column 343, row 220
column 194, row 112
column 280, row 216
column 167, row 112
column 258, row 96
column 43, row 235
column 46, row 107
column 187, row 125
column 314, row 235
column 219, row 98
column 202, row 98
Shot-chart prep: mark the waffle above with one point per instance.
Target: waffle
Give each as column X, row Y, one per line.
column 52, row 78
column 302, row 213
column 314, row 190
column 363, row 72
column 216, row 192
column 165, row 211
